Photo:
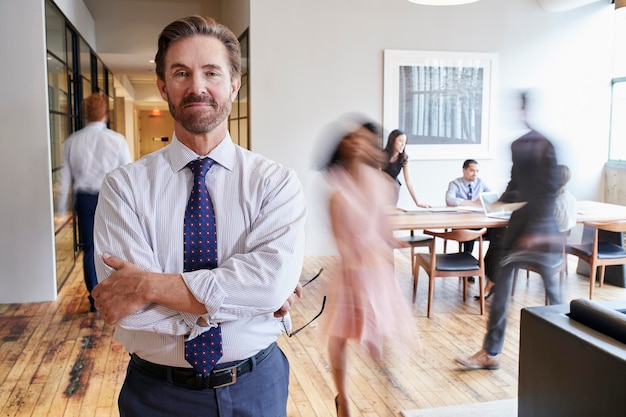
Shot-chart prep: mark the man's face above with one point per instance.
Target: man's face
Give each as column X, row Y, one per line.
column 197, row 83
column 471, row 172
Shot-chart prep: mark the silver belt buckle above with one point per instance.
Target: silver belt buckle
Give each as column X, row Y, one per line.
column 233, row 376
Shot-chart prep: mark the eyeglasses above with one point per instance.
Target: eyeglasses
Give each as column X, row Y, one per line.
column 295, row 332
column 314, row 277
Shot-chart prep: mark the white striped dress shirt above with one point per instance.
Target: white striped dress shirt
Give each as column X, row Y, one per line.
column 260, row 213
column 458, row 191
column 88, row 155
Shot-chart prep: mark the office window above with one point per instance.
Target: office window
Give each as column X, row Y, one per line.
column 238, row 120
column 617, row 141
column 617, row 147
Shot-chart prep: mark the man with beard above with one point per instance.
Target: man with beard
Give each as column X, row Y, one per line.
column 248, row 260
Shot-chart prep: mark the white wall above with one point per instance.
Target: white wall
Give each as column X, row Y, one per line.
column 314, row 61
column 26, row 228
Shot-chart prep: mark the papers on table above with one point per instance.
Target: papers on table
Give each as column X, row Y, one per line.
column 460, row 209
column 478, row 209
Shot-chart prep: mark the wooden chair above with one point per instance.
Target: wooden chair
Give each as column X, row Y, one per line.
column 545, row 263
column 459, row 264
column 599, row 253
column 416, row 241
column 556, row 265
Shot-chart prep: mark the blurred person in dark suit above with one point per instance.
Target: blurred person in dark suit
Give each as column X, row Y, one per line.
column 532, row 232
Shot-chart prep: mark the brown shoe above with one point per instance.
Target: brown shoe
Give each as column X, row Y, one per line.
column 480, row 360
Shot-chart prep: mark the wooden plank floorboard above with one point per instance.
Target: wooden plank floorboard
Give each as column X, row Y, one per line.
column 59, row 360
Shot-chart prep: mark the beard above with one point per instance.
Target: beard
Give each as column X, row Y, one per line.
column 199, row 120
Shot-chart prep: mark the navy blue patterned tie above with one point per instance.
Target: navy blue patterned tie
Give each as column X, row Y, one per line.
column 469, row 193
column 200, row 252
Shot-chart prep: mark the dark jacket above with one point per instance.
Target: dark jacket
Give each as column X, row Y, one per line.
column 534, row 179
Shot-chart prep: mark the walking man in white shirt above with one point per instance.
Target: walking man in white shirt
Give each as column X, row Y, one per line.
column 254, row 248
column 88, row 155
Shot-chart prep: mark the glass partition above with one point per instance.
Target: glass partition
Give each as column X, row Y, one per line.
column 58, row 91
column 60, row 63
column 55, row 33
column 74, row 72
column 59, row 131
column 85, row 60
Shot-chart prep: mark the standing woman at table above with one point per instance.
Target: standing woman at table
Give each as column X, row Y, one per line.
column 364, row 301
column 398, row 160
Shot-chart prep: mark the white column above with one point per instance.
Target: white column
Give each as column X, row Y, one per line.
column 27, row 260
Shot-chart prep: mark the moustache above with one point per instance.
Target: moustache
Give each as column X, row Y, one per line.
column 198, row 99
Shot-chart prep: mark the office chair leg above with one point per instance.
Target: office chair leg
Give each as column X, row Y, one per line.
column 416, row 270
column 592, row 279
column 464, row 288
column 431, row 290
column 602, row 270
column 481, row 283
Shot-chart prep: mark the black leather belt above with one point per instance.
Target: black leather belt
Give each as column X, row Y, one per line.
column 188, row 378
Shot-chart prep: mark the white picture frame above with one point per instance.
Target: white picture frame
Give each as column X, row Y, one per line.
column 443, row 101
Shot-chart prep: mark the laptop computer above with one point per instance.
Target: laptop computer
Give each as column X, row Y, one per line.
column 488, row 200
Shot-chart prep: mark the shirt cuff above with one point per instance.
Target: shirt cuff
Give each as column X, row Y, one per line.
column 205, row 289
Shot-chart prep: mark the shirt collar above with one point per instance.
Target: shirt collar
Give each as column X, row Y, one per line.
column 180, row 155
column 98, row 125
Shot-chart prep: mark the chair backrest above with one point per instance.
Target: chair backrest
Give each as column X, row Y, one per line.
column 459, row 235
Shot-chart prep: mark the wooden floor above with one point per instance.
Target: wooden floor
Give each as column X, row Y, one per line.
column 56, row 359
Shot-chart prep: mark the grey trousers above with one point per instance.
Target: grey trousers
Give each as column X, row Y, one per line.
column 544, row 262
column 260, row 393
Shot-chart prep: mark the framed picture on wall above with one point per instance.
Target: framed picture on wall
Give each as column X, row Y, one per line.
column 443, row 101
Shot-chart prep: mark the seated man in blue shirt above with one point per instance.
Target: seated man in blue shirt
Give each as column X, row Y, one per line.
column 464, row 191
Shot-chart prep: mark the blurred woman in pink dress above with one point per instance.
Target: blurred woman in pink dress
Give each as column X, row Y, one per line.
column 364, row 301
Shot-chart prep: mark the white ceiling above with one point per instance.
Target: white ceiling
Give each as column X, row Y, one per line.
column 127, row 33
column 126, row 39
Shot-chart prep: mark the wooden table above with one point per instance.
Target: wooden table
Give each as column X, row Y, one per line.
column 449, row 219
column 454, row 218
column 595, row 211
